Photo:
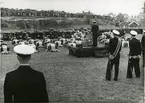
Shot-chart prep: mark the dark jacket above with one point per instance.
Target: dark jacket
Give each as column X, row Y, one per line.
column 112, row 47
column 95, row 31
column 25, row 85
column 135, row 47
column 143, row 42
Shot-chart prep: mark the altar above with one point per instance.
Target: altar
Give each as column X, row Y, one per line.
column 86, row 49
column 80, row 51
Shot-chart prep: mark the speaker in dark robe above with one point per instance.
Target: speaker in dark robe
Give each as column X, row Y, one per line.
column 95, row 33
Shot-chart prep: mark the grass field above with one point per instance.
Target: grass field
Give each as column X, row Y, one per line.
column 78, row 80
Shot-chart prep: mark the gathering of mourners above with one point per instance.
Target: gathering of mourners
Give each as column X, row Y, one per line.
column 50, row 40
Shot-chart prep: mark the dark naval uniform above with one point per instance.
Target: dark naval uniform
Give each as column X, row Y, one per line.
column 135, row 50
column 111, row 48
column 143, row 48
column 25, row 85
column 95, row 34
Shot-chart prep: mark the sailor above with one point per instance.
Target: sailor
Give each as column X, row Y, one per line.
column 114, row 48
column 25, row 84
column 143, row 47
column 134, row 55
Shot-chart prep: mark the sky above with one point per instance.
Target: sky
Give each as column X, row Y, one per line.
column 99, row 7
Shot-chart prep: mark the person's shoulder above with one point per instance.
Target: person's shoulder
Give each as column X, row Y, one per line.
column 37, row 72
column 11, row 73
column 137, row 40
column 96, row 25
column 143, row 36
column 112, row 39
column 132, row 39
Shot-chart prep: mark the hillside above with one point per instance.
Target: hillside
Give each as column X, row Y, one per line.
column 30, row 20
column 43, row 23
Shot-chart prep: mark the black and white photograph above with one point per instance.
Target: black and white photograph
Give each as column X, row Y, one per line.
column 72, row 51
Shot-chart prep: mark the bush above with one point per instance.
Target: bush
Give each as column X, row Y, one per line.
column 20, row 24
column 4, row 24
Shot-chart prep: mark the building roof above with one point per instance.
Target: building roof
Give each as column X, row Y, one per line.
column 133, row 22
column 128, row 24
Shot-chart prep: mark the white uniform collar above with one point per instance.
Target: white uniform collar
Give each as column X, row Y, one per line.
column 24, row 64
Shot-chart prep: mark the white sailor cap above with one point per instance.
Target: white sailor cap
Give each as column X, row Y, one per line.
column 94, row 21
column 132, row 32
column 24, row 49
column 116, row 32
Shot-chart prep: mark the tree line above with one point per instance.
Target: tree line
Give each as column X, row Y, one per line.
column 48, row 13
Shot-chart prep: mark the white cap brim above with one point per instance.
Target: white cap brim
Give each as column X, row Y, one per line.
column 94, row 21
column 24, row 49
column 134, row 33
column 116, row 32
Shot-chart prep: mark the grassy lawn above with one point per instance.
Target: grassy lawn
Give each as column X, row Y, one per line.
column 78, row 80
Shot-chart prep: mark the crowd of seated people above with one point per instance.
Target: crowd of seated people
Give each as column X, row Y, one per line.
column 52, row 39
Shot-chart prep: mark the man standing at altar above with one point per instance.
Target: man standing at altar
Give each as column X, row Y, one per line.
column 95, row 33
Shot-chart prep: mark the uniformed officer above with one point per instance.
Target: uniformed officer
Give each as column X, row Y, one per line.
column 143, row 47
column 134, row 55
column 95, row 33
column 114, row 48
column 25, row 84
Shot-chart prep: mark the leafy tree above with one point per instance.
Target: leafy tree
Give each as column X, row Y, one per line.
column 4, row 24
column 20, row 24
column 121, row 17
